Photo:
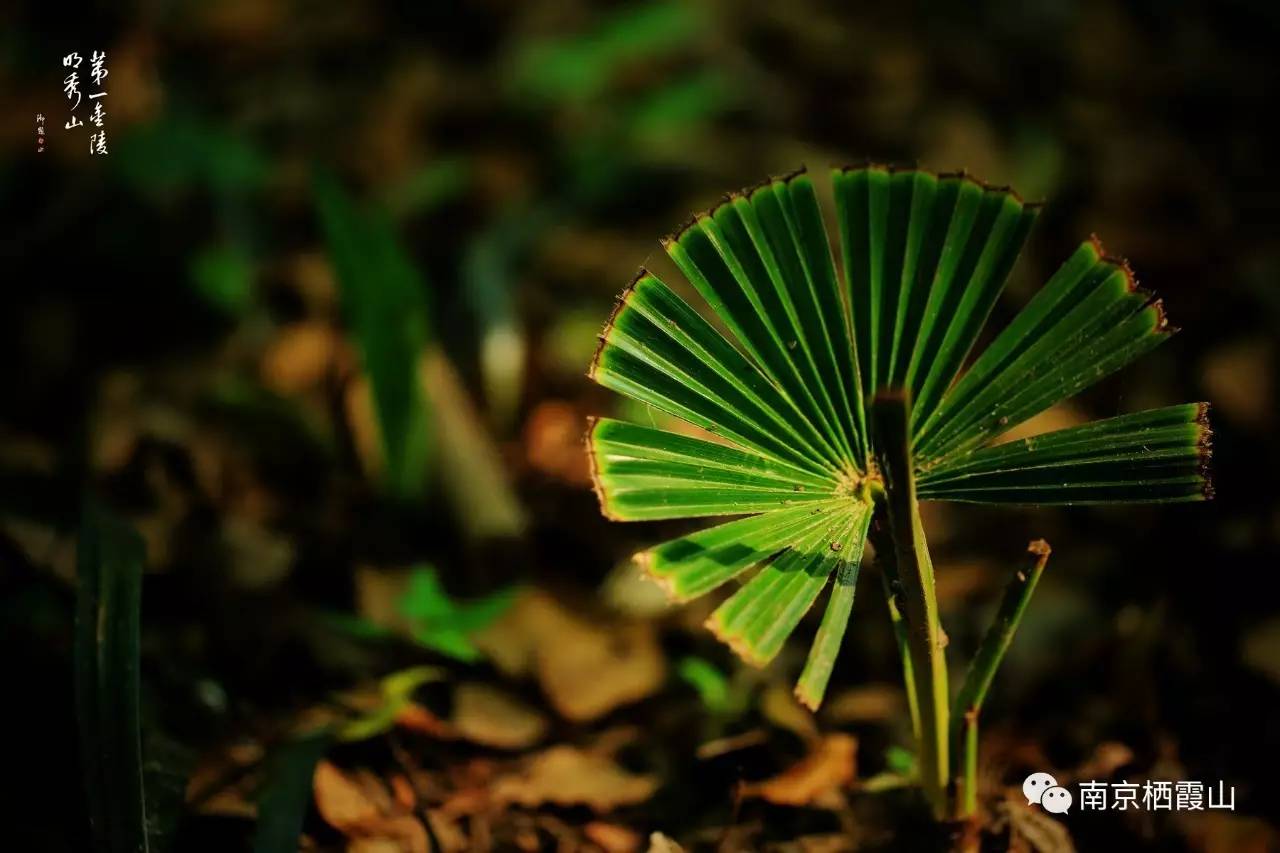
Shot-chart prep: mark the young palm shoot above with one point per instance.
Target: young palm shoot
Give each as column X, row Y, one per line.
column 837, row 398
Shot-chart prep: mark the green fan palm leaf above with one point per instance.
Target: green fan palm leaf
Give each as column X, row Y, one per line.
column 783, row 401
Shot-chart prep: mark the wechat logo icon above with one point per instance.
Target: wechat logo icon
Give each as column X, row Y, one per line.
column 1043, row 789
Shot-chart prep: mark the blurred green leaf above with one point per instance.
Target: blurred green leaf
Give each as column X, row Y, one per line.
column 384, row 301
column 680, row 105
column 711, row 683
column 397, row 692
column 444, row 625
column 282, row 805
column 432, row 185
column 109, row 562
column 223, row 276
column 184, row 152
column 577, row 68
column 900, row 760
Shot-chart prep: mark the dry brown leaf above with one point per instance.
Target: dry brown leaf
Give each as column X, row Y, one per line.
column 830, row 843
column 301, row 355
column 611, row 837
column 553, row 442
column 476, row 481
column 489, row 716
column 482, row 714
column 732, row 743
column 358, row 805
column 344, row 803
column 363, row 423
column 1223, row 832
column 587, row 669
column 451, row 836
column 400, row 834
column 1042, row 831
column 1239, row 381
column 827, row 769
column 402, row 791
column 1108, row 757
column 867, row 703
column 418, row 719
column 567, row 776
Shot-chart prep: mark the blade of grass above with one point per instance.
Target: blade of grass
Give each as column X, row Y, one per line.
column 282, row 805
column 383, row 300
column 109, row 562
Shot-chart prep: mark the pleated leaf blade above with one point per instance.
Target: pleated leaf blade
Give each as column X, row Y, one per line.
column 778, row 400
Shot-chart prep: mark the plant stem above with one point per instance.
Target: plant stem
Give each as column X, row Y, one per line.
column 978, row 679
column 889, row 580
column 891, row 420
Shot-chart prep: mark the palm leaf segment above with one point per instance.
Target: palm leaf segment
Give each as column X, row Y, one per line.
column 924, row 257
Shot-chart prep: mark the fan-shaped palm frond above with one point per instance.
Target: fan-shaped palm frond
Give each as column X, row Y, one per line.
column 786, row 398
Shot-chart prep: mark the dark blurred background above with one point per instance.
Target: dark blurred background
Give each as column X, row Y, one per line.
column 174, row 340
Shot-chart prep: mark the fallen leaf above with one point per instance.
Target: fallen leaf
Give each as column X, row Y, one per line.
column 553, row 442
column 586, row 668
column 344, row 803
column 827, row 769
column 1222, row 832
column 1239, row 381
column 1040, row 830
column 400, row 834
column 358, row 805
column 830, row 843
column 567, row 776
column 300, row 356
column 491, row 717
column 733, row 743
column 868, row 703
column 477, row 484
column 611, row 837
column 374, row 845
column 1107, row 757
column 482, row 714
column 402, row 791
